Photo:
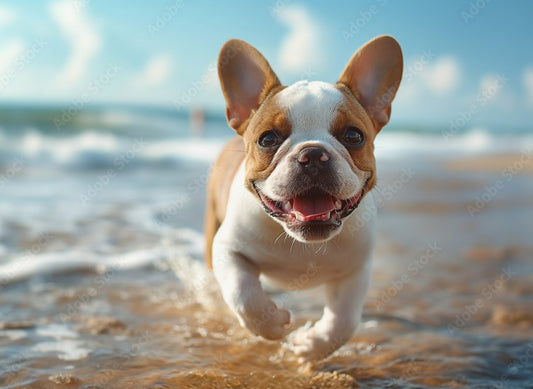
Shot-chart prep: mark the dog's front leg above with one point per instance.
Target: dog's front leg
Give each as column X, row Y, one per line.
column 341, row 316
column 242, row 291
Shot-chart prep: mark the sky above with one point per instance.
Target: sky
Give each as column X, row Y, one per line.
column 466, row 62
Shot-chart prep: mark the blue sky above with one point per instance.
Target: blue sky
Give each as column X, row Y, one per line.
column 463, row 59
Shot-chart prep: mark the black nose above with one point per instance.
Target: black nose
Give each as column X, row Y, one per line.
column 313, row 157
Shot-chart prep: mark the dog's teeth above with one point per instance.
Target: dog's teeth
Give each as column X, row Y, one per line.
column 300, row 217
column 338, row 204
column 287, row 206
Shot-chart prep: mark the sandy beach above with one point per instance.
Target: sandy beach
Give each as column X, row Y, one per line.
column 112, row 115
column 449, row 304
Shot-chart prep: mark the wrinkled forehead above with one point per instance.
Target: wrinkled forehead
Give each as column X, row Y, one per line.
column 311, row 107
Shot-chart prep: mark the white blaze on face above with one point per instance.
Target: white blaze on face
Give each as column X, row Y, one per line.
column 311, row 108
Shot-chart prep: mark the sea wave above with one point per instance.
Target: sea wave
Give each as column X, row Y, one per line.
column 395, row 144
column 101, row 150
column 96, row 149
column 180, row 248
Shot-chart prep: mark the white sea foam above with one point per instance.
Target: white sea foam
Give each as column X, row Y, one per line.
column 14, row 335
column 66, row 349
column 180, row 249
column 62, row 340
column 93, row 149
column 147, row 210
column 25, row 266
column 391, row 145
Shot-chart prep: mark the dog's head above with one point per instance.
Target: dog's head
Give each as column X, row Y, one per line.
column 310, row 146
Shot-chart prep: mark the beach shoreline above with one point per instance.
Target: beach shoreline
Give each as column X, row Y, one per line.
column 449, row 286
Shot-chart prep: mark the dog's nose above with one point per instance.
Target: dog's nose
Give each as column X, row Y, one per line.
column 313, row 156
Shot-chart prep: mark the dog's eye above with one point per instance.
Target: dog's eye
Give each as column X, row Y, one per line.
column 353, row 137
column 269, row 140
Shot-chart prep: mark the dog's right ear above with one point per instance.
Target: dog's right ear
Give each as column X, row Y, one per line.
column 373, row 74
column 246, row 79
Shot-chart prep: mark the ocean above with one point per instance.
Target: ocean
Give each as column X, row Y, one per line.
column 103, row 283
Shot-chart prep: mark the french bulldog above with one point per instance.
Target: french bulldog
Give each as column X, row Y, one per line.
column 292, row 191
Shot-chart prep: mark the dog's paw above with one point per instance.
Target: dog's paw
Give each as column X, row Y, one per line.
column 311, row 344
column 268, row 321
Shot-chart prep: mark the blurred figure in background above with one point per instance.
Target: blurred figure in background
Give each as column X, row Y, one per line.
column 197, row 118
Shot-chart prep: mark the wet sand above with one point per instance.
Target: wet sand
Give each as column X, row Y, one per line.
column 510, row 163
column 450, row 304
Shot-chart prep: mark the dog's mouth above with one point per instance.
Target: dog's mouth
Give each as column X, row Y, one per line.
column 314, row 206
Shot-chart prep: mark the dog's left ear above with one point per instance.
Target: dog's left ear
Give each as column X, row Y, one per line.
column 373, row 74
column 246, row 79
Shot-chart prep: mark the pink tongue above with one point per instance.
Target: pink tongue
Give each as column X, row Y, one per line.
column 311, row 207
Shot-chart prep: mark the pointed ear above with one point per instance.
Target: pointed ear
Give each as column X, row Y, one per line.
column 373, row 75
column 246, row 79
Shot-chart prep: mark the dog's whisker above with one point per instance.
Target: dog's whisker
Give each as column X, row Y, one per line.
column 318, row 249
column 325, row 247
column 279, row 236
column 292, row 244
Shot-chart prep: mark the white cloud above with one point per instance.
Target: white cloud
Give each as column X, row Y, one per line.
column 211, row 77
column 7, row 15
column 427, row 76
column 527, row 79
column 491, row 86
column 443, row 75
column 300, row 48
column 488, row 83
column 79, row 30
column 9, row 54
column 157, row 70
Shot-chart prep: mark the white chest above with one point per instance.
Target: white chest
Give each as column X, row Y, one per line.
column 284, row 262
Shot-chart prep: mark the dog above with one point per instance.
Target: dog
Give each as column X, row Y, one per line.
column 301, row 167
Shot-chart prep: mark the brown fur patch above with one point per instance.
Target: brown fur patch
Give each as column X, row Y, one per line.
column 352, row 113
column 218, row 188
column 258, row 161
